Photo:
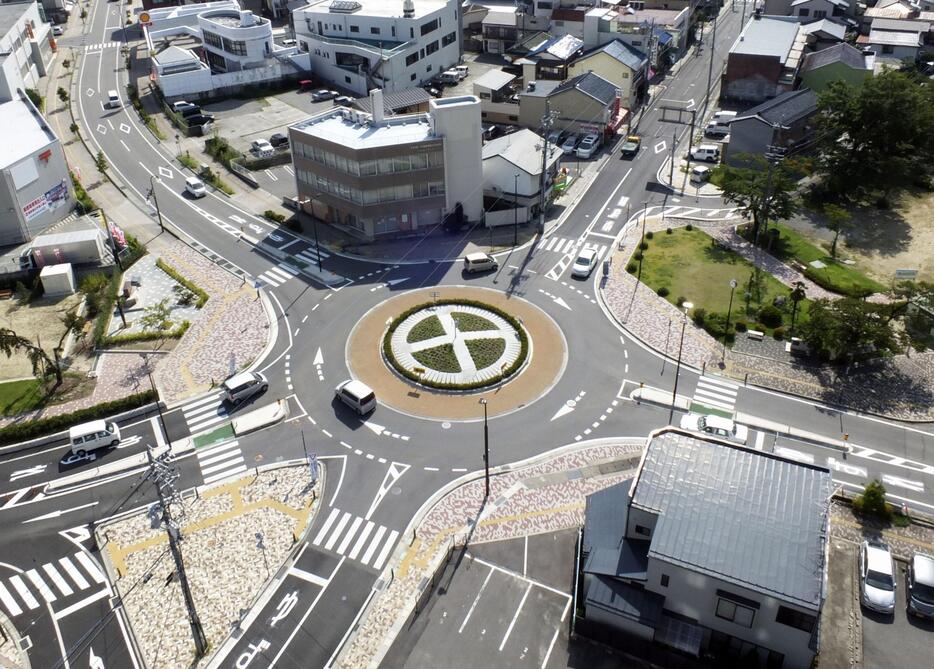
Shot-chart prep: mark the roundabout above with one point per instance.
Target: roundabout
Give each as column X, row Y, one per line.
column 433, row 353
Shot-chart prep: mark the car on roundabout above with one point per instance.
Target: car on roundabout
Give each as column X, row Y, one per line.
column 357, row 395
column 584, row 264
column 479, row 262
column 715, row 426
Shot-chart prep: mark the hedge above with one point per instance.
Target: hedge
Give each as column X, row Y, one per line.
column 37, row 428
column 177, row 333
column 168, row 269
column 509, row 371
column 137, row 251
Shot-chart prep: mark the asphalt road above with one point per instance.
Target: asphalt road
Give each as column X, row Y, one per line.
column 377, row 480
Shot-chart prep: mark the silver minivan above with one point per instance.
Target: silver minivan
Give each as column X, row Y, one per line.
column 243, row 386
column 479, row 262
column 113, row 99
column 91, row 436
column 357, row 395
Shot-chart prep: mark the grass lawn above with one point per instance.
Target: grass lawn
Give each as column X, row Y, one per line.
column 471, row 322
column 691, row 266
column 19, row 396
column 836, row 277
column 439, row 358
column 426, row 329
column 485, row 351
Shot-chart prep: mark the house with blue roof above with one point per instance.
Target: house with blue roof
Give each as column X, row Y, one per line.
column 713, row 550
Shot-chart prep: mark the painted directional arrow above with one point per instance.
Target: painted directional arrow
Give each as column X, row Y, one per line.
column 395, row 471
column 56, row 514
column 94, row 661
column 560, row 302
column 377, row 429
column 393, row 282
column 318, row 361
column 565, row 410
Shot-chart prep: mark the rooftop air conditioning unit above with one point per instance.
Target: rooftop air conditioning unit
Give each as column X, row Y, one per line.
column 532, row 85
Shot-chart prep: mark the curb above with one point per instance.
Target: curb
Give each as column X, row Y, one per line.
column 387, row 575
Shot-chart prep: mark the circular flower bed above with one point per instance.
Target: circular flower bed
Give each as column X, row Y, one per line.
column 455, row 344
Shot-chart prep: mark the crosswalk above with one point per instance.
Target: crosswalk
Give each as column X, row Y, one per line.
column 204, row 412
column 221, row 461
column 101, row 46
column 50, row 582
column 565, row 246
column 278, row 275
column 357, row 538
column 716, row 392
column 310, row 255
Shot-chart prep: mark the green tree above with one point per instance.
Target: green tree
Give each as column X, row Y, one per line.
column 840, row 328
column 761, row 192
column 156, row 316
column 838, row 219
column 35, row 98
column 872, row 501
column 42, row 363
column 100, row 161
column 797, row 294
column 62, row 94
column 877, row 136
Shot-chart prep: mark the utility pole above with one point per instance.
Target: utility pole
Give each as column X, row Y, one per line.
column 515, row 208
column 155, row 200
column 713, row 47
column 691, row 135
column 671, row 172
column 548, row 120
column 164, row 477
column 742, row 19
column 486, row 450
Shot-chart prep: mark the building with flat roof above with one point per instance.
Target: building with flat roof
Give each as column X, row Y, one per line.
column 27, row 48
column 359, row 45
column 764, row 60
column 35, row 188
column 381, row 176
column 712, row 548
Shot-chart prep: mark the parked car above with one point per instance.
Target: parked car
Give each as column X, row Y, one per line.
column 876, row 577
column 323, row 94
column 920, row 579
column 631, row 146
column 479, row 262
column 555, row 137
column 243, row 386
column 357, row 395
column 450, row 77
column 570, row 144
column 700, row 174
column 491, row 132
column 462, row 70
column 180, row 105
column 189, row 110
column 343, row 100
column 716, row 130
column 584, row 264
column 432, row 91
column 199, row 119
column 195, row 187
column 261, row 146
column 588, row 146
column 708, row 152
column 278, row 140
column 58, row 31
column 716, row 426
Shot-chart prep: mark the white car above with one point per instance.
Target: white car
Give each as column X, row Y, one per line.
column 876, row 577
column 716, row 426
column 569, row 144
column 588, row 146
column 323, row 94
column 261, row 146
column 195, row 187
column 586, row 261
column 58, row 31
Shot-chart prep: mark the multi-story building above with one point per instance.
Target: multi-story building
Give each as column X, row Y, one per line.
column 359, row 45
column 712, row 549
column 26, row 48
column 378, row 176
column 764, row 60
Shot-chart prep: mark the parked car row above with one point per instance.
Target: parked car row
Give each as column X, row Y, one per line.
column 191, row 113
column 877, row 580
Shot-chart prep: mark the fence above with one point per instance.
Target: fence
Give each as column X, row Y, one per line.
column 500, row 217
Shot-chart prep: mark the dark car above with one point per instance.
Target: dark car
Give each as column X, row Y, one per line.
column 278, row 140
column 188, row 110
column 199, row 119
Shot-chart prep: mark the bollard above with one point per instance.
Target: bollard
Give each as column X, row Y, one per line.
column 746, row 379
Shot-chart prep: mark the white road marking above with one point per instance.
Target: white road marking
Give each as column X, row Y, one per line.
column 475, row 600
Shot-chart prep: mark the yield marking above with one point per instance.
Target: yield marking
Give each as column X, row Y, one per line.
column 393, row 282
column 125, row 128
column 165, row 172
column 661, row 146
column 23, row 473
column 917, row 486
column 395, row 471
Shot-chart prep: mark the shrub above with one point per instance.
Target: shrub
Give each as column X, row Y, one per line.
column 740, row 326
column 62, row 94
column 663, row 292
column 649, row 234
column 638, row 255
column 668, row 231
column 872, row 501
column 85, row 203
column 172, row 272
column 37, row 428
column 715, row 324
column 680, row 301
column 688, row 227
column 643, row 245
column 631, row 268
column 94, row 287
column 699, row 316
column 35, row 97
column 274, row 216
column 74, row 128
column 778, row 333
column 771, row 316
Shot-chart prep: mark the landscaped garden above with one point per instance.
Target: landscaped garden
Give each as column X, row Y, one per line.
column 471, row 322
column 429, row 328
column 688, row 265
column 440, row 358
column 484, row 352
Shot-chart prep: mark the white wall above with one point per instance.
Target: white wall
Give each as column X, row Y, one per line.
column 457, row 120
column 21, row 54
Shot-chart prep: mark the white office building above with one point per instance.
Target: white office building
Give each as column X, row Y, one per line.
column 26, row 48
column 359, row 45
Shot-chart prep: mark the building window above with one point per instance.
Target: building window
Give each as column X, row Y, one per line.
column 735, row 612
column 430, row 26
column 664, row 580
column 374, row 30
column 514, row 118
column 888, row 48
column 545, row 5
column 235, row 47
column 644, row 531
column 411, row 33
column 819, row 13
column 212, row 39
column 412, row 77
column 411, row 59
column 428, row 68
column 431, row 48
column 346, row 80
column 354, row 29
column 804, row 12
column 449, row 39
column 797, row 619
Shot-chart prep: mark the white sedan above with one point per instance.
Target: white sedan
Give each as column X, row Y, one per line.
column 586, row 261
column 716, row 426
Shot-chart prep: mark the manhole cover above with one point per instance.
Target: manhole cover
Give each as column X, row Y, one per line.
column 571, row 403
column 396, row 490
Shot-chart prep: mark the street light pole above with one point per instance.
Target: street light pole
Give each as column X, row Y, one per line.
column 645, row 204
column 515, row 210
column 155, row 200
column 486, row 450
column 674, row 393
column 729, row 311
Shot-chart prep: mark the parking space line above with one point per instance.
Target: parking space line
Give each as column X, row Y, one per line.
column 539, row 584
column 476, row 599
column 551, row 647
column 525, row 556
column 515, row 616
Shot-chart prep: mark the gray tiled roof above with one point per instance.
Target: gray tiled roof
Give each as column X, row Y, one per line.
column 605, row 524
column 624, row 600
column 625, row 54
column 407, row 97
column 842, row 53
column 592, row 85
column 783, row 109
column 738, row 514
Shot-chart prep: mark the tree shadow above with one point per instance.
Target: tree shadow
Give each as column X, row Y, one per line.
column 875, row 386
column 884, row 231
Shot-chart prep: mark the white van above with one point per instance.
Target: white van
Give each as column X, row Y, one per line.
column 723, row 117
column 113, row 99
column 243, row 386
column 450, row 77
column 91, row 436
column 700, row 174
column 462, row 70
column 479, row 262
column 708, row 152
column 357, row 395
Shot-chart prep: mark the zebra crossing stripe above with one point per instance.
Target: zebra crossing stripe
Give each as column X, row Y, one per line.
column 327, row 525
column 269, row 279
column 200, row 402
column 90, row 567
column 44, row 590
column 357, row 547
column 383, row 554
column 373, row 544
column 709, row 380
column 288, row 268
column 72, row 571
column 23, row 592
column 202, row 411
column 281, row 275
column 57, row 579
column 9, row 603
column 349, row 536
column 337, row 531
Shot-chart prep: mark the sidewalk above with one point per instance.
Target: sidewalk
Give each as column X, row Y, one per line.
column 545, row 494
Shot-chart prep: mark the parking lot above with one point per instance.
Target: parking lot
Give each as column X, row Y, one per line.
column 504, row 604
column 899, row 640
